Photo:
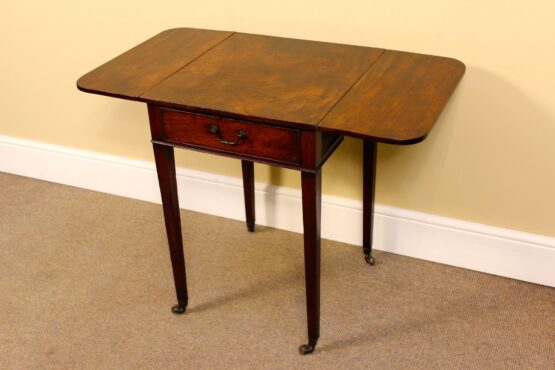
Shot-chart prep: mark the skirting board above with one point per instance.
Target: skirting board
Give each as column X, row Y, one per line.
column 493, row 250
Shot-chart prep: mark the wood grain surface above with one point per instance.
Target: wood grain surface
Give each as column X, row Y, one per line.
column 375, row 94
column 267, row 78
column 271, row 142
column 139, row 69
column 398, row 100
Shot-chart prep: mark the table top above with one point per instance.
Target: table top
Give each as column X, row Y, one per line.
column 372, row 93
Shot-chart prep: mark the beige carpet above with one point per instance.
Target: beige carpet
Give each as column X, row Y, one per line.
column 85, row 283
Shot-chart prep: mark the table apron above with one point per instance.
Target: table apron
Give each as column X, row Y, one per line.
column 304, row 150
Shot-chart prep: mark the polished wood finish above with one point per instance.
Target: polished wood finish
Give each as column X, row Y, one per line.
column 311, row 148
column 370, row 155
column 267, row 79
column 165, row 167
column 398, row 100
column 312, row 198
column 141, row 68
column 269, row 148
column 371, row 93
column 278, row 144
column 248, row 189
column 278, row 101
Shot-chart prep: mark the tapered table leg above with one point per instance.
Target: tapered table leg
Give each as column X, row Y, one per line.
column 369, row 184
column 165, row 167
column 312, row 196
column 248, row 189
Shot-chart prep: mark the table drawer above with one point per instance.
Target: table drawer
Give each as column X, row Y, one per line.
column 231, row 136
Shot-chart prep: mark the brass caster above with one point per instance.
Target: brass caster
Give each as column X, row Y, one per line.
column 178, row 309
column 306, row 349
column 370, row 259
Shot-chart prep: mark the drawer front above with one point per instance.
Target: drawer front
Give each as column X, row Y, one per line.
column 231, row 136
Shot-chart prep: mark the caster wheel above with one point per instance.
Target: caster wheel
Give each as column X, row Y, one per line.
column 178, row 309
column 306, row 349
column 370, row 259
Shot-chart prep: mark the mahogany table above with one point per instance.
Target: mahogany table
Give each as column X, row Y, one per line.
column 278, row 101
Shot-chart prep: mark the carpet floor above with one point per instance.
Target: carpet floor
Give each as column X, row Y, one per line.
column 86, row 283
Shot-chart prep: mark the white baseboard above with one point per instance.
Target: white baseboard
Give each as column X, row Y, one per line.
column 494, row 250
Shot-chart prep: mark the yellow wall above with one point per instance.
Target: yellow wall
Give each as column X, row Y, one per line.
column 490, row 158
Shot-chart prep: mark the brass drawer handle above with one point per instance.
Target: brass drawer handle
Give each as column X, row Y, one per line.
column 241, row 135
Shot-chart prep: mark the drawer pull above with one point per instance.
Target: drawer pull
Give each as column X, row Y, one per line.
column 241, row 135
